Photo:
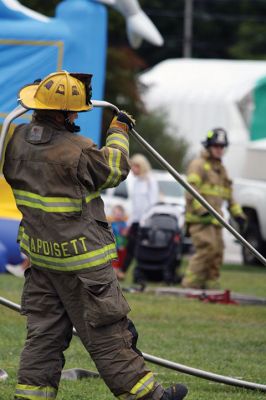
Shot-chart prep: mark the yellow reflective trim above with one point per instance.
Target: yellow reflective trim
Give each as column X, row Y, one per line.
column 45, row 208
column 114, row 164
column 236, row 209
column 92, row 196
column 117, row 143
column 197, row 219
column 215, row 190
column 196, row 204
column 226, row 193
column 143, row 386
column 207, row 166
column 117, row 139
column 210, row 134
column 118, row 170
column 46, row 199
column 100, row 261
column 20, row 232
column 110, row 161
column 47, row 204
column 74, row 204
column 35, row 392
column 194, row 179
column 118, row 136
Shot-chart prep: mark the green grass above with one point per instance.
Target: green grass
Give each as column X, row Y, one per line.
column 223, row 339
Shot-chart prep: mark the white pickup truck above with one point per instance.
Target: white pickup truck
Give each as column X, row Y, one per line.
column 251, row 195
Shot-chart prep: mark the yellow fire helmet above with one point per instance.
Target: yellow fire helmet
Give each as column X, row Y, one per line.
column 61, row 90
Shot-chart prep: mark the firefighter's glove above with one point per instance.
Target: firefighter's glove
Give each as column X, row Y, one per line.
column 242, row 223
column 126, row 118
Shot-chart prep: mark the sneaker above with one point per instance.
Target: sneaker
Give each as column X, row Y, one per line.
column 176, row 392
column 16, row 270
column 3, row 375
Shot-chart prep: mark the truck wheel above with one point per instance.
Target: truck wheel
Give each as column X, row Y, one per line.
column 253, row 236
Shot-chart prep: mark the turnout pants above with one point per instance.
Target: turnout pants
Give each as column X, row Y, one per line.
column 93, row 303
column 203, row 270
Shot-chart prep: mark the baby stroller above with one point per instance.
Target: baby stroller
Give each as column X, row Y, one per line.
column 159, row 242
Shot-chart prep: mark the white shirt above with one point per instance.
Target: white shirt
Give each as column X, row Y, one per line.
column 145, row 193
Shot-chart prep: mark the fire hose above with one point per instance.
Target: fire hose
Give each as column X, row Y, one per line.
column 173, row 365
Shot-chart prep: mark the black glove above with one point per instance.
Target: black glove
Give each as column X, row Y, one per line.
column 126, row 118
column 241, row 222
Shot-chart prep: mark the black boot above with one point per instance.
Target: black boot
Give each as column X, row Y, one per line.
column 176, row 392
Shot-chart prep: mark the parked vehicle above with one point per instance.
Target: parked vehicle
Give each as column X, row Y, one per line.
column 251, row 195
column 170, row 192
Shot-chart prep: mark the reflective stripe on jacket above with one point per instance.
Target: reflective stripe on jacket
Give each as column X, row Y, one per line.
column 209, row 177
column 57, row 177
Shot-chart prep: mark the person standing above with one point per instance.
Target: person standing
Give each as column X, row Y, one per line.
column 144, row 194
column 209, row 177
column 56, row 176
column 119, row 228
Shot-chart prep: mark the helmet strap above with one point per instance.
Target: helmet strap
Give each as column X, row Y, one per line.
column 70, row 126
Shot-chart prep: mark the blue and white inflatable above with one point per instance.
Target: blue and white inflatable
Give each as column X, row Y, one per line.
column 33, row 45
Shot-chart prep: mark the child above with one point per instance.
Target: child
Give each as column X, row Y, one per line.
column 119, row 227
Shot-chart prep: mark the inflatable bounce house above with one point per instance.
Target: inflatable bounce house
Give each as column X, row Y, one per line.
column 32, row 46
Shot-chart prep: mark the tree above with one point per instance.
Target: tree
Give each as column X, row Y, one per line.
column 43, row 7
column 154, row 129
column 251, row 32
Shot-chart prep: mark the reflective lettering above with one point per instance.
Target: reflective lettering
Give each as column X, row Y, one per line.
column 64, row 246
column 51, row 248
column 74, row 243
column 57, row 249
column 82, row 240
column 32, row 245
column 46, row 250
column 39, row 245
column 64, row 249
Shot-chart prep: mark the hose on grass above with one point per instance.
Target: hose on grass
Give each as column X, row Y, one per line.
column 173, row 365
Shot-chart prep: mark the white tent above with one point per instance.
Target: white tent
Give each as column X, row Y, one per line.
column 199, row 95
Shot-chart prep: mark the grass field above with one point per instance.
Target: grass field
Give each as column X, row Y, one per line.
column 224, row 339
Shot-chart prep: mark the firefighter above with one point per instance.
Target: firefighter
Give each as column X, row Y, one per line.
column 209, row 177
column 56, row 176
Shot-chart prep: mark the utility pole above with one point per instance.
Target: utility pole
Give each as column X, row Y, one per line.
column 188, row 29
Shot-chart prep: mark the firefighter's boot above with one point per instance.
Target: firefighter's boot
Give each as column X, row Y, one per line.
column 176, row 392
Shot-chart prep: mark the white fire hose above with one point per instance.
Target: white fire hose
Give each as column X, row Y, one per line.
column 175, row 366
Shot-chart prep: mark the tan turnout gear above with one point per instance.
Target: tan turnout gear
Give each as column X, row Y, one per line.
column 209, row 177
column 57, row 177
